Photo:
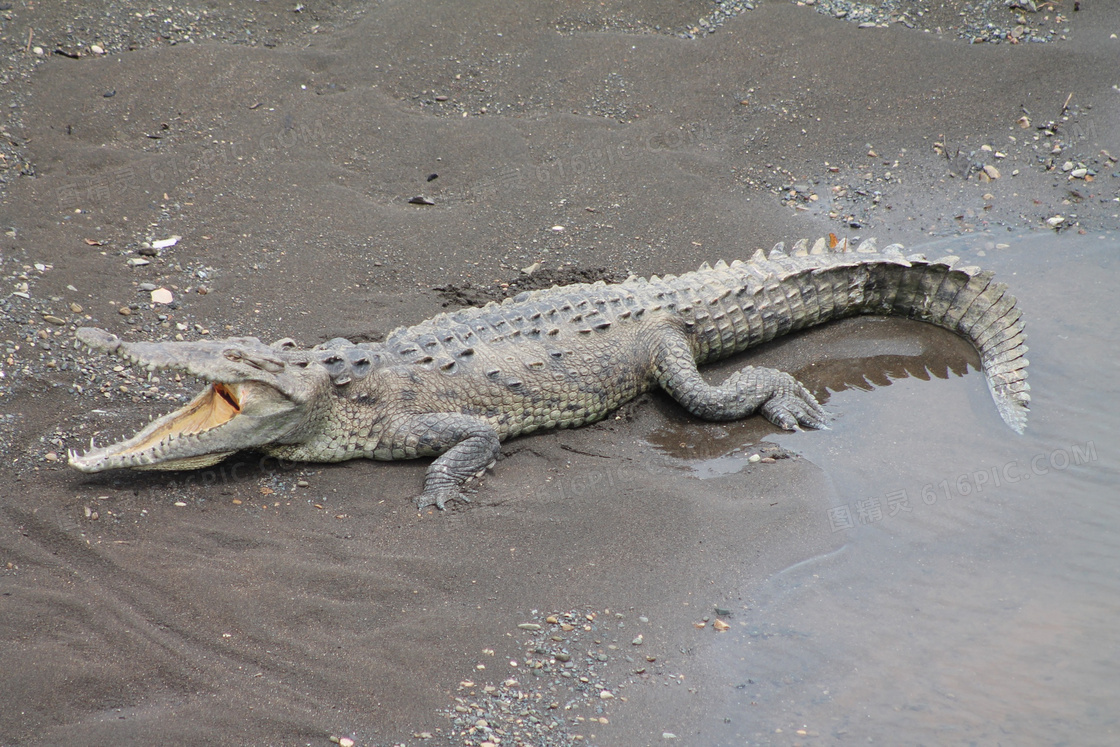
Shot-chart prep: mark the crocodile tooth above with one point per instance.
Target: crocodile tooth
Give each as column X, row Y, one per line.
column 758, row 257
column 801, row 248
column 867, row 247
column 819, row 246
column 779, row 250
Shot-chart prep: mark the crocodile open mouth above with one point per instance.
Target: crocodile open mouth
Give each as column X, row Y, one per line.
column 216, row 405
column 213, row 407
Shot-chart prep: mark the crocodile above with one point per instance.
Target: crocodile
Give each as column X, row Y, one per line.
column 457, row 385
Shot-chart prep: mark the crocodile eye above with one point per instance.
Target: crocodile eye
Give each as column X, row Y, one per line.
column 233, row 354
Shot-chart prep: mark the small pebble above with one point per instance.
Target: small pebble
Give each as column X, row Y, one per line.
column 165, row 243
column 162, row 296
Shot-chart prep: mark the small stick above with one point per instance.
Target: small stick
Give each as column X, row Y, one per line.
column 1066, row 105
column 30, row 33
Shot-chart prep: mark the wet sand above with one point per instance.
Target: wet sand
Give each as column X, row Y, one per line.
column 266, row 603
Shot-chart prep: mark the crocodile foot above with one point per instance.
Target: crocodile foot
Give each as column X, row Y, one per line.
column 793, row 406
column 439, row 498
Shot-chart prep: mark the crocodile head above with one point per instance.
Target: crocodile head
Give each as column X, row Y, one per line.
column 256, row 395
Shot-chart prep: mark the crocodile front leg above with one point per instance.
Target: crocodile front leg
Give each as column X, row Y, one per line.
column 781, row 398
column 467, row 447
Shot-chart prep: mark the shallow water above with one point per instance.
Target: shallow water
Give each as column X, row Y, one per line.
column 974, row 596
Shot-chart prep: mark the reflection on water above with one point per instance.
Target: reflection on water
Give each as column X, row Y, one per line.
column 983, row 610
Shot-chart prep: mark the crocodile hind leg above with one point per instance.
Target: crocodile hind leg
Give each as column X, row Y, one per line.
column 781, row 398
column 467, row 447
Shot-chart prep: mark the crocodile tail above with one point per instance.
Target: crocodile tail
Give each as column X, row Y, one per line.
column 970, row 302
column 965, row 300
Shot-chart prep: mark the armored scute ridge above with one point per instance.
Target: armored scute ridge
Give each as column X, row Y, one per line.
column 457, row 385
